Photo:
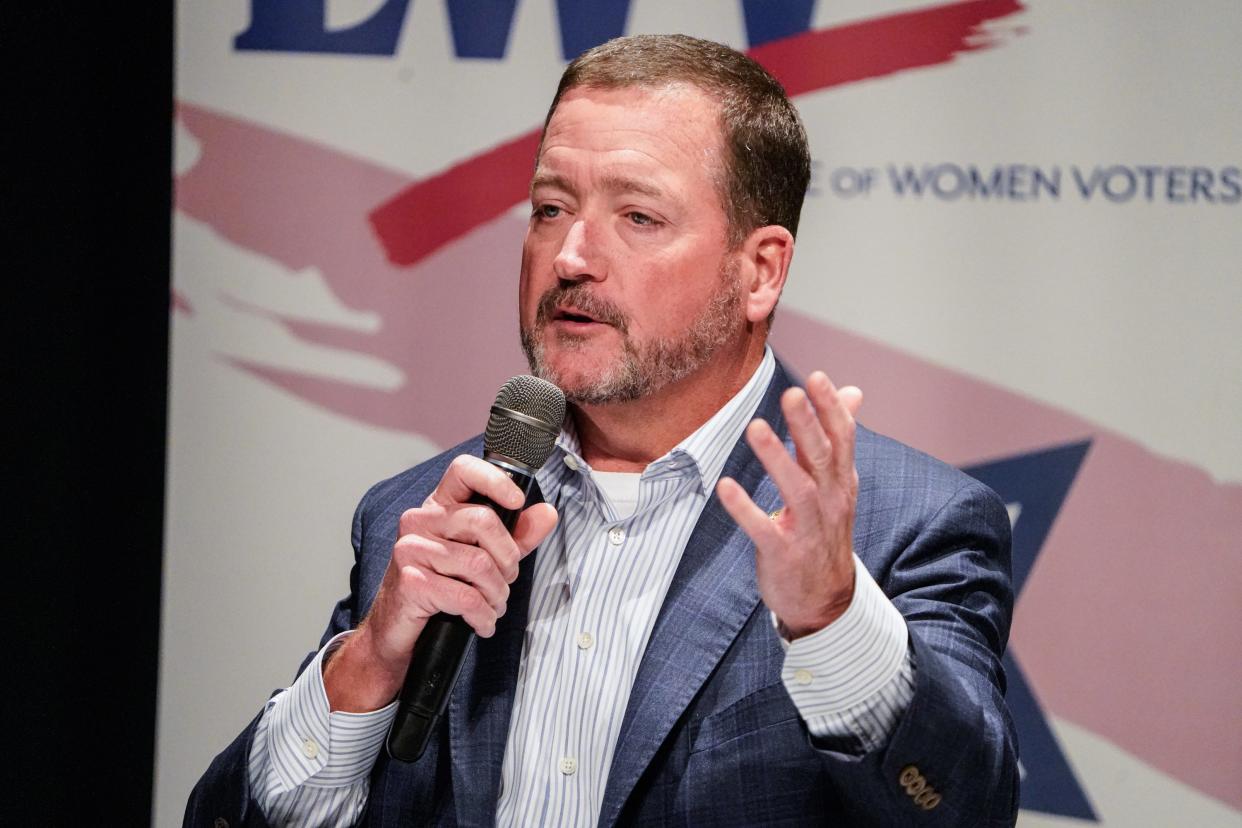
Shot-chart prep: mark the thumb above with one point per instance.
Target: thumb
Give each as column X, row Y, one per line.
column 533, row 525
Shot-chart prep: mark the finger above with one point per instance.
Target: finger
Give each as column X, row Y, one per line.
column 469, row 564
column 533, row 526
column 468, row 475
column 837, row 421
column 753, row 520
column 851, row 397
column 814, row 450
column 424, row 587
column 478, row 525
column 795, row 485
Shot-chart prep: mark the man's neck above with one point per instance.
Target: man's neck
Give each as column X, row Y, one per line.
column 628, row 436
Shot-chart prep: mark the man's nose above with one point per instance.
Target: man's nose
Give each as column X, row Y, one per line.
column 578, row 259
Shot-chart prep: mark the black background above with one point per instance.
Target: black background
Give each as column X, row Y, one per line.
column 86, row 213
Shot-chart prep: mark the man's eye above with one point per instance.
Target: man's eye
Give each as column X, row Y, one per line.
column 547, row 211
column 641, row 219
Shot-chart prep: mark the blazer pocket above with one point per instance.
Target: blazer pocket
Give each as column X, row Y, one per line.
column 768, row 708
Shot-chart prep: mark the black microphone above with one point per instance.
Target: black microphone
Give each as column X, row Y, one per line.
column 521, row 433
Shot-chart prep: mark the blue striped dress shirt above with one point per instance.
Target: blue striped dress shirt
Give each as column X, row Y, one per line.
column 599, row 581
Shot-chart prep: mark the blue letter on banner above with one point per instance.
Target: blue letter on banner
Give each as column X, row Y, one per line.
column 480, row 27
column 300, row 26
column 767, row 20
column 587, row 23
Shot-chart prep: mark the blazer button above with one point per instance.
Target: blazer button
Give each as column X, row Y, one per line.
column 220, row 822
column 916, row 787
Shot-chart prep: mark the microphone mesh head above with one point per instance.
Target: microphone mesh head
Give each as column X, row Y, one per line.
column 524, row 442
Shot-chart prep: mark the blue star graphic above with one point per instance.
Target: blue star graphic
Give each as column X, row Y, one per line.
column 1037, row 483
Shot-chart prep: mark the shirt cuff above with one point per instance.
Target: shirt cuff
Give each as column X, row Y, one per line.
column 308, row 744
column 855, row 676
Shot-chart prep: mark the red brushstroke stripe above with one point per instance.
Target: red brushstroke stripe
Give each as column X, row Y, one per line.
column 878, row 46
column 416, row 221
column 415, row 224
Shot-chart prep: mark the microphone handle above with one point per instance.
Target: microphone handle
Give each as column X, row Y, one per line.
column 438, row 656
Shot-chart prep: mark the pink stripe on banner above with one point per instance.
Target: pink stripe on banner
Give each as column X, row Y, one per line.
column 1128, row 623
column 179, row 304
column 305, row 205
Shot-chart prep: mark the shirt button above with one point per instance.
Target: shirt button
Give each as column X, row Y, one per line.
column 571, row 462
column 310, row 748
column 568, row 765
column 585, row 641
column 803, row 676
column 616, row 536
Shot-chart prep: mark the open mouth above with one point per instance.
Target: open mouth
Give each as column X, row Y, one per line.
column 574, row 316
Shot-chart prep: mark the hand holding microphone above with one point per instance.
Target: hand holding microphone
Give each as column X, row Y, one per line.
column 450, row 570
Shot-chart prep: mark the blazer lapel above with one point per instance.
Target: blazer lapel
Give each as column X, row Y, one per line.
column 712, row 595
column 482, row 703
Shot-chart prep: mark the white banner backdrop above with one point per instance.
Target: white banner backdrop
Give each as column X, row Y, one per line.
column 1022, row 241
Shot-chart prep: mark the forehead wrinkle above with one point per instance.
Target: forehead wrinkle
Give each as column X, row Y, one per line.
column 543, row 178
column 664, row 145
column 612, row 181
column 619, row 183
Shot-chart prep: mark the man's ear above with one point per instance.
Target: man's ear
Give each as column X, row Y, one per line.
column 765, row 257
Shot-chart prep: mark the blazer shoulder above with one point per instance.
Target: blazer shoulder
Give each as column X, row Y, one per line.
column 903, row 492
column 884, row 462
column 416, row 482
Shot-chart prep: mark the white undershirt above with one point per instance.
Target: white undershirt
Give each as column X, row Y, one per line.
column 621, row 489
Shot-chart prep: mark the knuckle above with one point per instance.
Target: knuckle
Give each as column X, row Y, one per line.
column 478, row 519
column 410, row 519
column 410, row 579
column 510, row 568
column 478, row 562
column 469, row 599
column 481, row 518
column 406, row 548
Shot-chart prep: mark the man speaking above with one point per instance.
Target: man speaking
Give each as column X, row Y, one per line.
column 733, row 605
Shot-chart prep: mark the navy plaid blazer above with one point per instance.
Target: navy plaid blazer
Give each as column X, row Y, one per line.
column 710, row 736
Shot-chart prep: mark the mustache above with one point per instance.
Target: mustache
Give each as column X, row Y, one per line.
column 584, row 299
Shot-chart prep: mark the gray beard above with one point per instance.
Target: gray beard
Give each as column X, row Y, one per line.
column 642, row 368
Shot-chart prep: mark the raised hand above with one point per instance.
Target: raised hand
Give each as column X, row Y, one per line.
column 804, row 554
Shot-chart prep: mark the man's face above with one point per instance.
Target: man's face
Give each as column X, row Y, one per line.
column 627, row 284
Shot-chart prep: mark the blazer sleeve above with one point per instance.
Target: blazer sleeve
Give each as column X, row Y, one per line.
column 952, row 759
column 223, row 793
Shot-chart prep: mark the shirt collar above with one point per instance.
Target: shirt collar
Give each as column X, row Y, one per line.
column 706, row 449
column 710, row 445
